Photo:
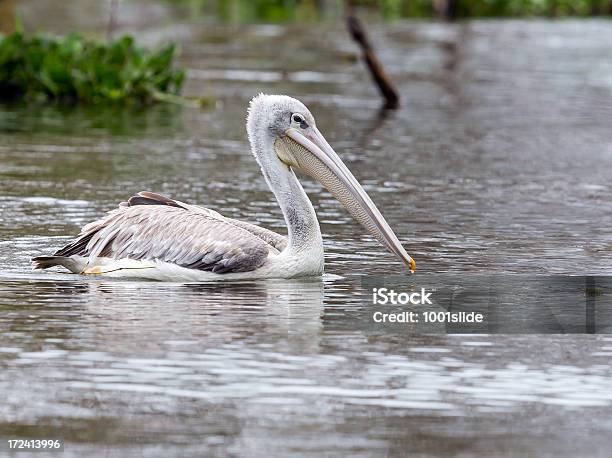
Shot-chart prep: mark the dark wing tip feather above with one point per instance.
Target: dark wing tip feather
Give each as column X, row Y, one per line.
column 138, row 200
column 151, row 198
column 76, row 247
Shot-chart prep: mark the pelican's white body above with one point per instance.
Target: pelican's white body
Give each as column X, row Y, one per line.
column 284, row 265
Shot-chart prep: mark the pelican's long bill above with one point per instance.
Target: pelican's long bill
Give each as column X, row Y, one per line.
column 307, row 151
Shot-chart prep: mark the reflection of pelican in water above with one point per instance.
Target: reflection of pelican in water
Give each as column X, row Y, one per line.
column 152, row 236
column 212, row 313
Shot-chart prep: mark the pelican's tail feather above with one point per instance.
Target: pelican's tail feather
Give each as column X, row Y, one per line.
column 44, row 262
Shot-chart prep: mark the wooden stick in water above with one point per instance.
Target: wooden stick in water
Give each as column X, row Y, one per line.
column 382, row 80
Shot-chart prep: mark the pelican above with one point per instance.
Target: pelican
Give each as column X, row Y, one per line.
column 154, row 237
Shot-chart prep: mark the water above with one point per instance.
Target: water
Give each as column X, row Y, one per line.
column 498, row 162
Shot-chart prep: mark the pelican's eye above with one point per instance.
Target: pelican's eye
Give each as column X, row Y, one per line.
column 297, row 118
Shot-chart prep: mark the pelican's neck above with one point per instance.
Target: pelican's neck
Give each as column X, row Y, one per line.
column 303, row 228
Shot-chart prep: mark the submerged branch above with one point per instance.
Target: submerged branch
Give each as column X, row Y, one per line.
column 382, row 80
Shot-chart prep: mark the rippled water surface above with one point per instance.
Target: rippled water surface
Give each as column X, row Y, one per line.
column 498, row 162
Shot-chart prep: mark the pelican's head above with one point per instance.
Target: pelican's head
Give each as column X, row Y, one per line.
column 296, row 142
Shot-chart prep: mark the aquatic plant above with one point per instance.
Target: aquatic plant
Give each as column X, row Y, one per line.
column 304, row 10
column 74, row 69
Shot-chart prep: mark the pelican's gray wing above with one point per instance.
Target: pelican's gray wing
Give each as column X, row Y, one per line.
column 173, row 233
column 277, row 241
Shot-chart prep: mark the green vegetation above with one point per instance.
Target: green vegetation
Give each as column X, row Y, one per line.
column 494, row 8
column 73, row 69
column 304, row 10
column 245, row 11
